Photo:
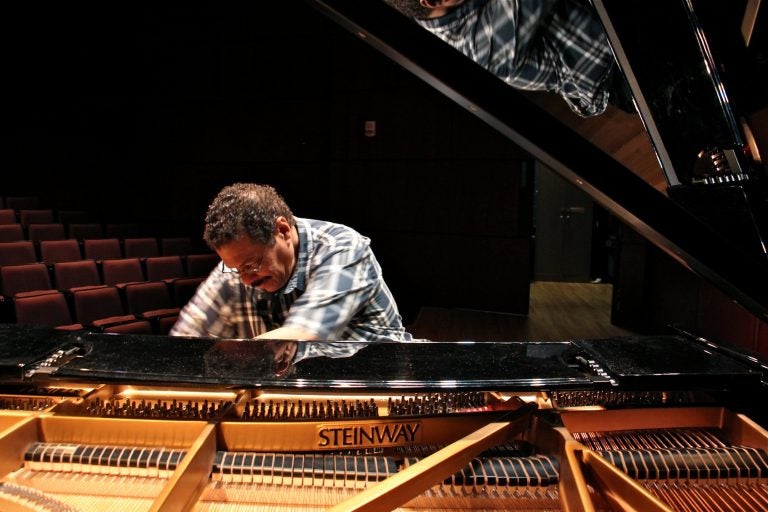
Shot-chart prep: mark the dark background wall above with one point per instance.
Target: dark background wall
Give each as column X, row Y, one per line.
column 143, row 114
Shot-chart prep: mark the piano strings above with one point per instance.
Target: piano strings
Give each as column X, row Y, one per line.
column 504, row 477
column 92, row 477
column 690, row 469
column 689, row 462
column 25, row 498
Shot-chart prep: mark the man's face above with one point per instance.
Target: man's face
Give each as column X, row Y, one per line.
column 440, row 7
column 268, row 267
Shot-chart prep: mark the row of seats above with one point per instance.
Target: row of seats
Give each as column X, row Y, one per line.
column 35, row 232
column 19, row 202
column 78, row 223
column 69, row 249
column 100, row 308
column 13, row 231
column 25, row 217
column 65, row 275
column 153, row 289
column 61, row 269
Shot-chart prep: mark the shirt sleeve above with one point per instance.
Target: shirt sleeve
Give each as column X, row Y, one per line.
column 514, row 31
column 212, row 310
column 341, row 280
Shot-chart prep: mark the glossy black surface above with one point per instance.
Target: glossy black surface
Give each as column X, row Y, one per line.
column 669, row 361
column 668, row 56
column 251, row 363
column 22, row 347
column 46, row 355
column 689, row 114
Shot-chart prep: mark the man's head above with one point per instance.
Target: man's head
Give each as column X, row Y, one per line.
column 251, row 228
column 423, row 9
column 244, row 209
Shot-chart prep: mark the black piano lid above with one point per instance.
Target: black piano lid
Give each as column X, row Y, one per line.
column 628, row 362
column 237, row 363
column 22, row 347
column 669, row 362
column 736, row 269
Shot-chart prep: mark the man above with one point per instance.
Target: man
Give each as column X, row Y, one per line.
column 289, row 278
column 538, row 45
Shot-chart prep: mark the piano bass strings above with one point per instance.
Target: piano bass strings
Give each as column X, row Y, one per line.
column 690, row 459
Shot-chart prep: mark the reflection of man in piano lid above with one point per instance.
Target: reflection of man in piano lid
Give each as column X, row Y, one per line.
column 289, row 278
column 244, row 359
column 536, row 45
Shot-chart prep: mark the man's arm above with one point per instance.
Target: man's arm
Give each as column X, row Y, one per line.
column 210, row 311
column 288, row 333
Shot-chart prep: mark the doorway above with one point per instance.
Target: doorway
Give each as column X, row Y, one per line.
column 563, row 228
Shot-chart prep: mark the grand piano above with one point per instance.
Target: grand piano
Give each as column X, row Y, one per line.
column 662, row 422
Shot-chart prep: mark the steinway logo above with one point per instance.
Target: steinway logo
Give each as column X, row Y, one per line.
column 364, row 435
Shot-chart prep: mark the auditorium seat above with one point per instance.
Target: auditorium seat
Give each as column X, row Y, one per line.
column 40, row 232
column 16, row 279
column 102, row 249
column 143, row 247
column 121, row 271
column 29, row 217
column 71, row 275
column 200, row 265
column 49, row 309
column 11, row 233
column 152, row 300
column 83, row 231
column 22, row 202
column 164, row 268
column 184, row 288
column 175, row 246
column 53, row 251
column 102, row 308
column 8, row 216
column 121, row 230
column 68, row 217
column 17, row 253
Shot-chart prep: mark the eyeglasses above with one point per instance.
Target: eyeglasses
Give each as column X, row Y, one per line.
column 248, row 268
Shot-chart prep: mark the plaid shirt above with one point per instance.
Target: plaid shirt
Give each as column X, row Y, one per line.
column 549, row 45
column 336, row 291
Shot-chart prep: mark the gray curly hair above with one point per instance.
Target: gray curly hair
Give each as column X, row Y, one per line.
column 244, row 209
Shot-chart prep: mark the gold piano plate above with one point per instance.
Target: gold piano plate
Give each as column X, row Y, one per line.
column 333, row 422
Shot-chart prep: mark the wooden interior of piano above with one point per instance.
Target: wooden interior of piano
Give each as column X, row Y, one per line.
column 436, row 477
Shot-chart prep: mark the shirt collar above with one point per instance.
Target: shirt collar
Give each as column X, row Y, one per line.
column 298, row 280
